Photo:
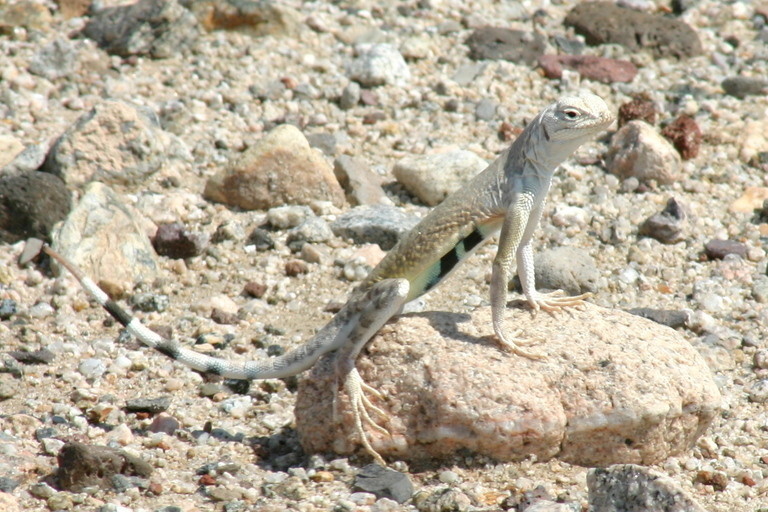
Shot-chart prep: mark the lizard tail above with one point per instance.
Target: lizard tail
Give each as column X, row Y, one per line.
column 286, row 365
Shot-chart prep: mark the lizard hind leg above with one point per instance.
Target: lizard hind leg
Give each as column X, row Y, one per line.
column 384, row 300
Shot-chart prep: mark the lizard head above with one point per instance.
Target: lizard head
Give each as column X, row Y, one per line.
column 575, row 118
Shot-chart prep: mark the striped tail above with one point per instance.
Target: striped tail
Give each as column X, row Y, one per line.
column 286, row 365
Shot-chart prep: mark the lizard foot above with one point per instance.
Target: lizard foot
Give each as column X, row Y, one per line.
column 356, row 390
column 556, row 301
column 515, row 344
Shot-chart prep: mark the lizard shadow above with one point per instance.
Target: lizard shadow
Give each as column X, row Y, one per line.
column 449, row 324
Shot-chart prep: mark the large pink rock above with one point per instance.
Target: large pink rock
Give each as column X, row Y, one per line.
column 614, row 388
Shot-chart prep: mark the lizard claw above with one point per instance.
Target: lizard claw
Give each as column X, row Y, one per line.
column 515, row 344
column 556, row 301
column 356, row 389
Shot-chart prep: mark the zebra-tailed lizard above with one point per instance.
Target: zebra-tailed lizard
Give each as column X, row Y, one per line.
column 508, row 195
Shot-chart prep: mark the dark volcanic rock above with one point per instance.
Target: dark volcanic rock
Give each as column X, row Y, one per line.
column 604, row 22
column 30, row 204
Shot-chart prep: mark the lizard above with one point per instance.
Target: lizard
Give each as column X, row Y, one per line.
column 508, row 196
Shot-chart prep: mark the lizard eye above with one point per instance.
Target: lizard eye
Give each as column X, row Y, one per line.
column 571, row 113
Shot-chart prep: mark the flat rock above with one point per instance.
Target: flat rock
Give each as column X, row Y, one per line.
column 82, row 466
column 600, row 69
column 116, row 143
column 632, row 488
column 104, row 237
column 499, row 43
column 361, row 185
column 434, row 177
column 614, row 388
column 605, row 22
column 638, row 150
column 279, row 169
column 158, row 28
column 377, row 224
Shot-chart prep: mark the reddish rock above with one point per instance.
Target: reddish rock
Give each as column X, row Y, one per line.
column 641, row 107
column 600, row 69
column 685, row 135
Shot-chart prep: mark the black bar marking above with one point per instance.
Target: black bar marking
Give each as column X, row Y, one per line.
column 474, row 238
column 170, row 351
column 452, row 257
column 118, row 313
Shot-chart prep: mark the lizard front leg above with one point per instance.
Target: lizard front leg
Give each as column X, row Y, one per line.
column 512, row 231
column 384, row 300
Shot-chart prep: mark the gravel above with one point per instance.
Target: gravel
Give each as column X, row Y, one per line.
column 219, row 92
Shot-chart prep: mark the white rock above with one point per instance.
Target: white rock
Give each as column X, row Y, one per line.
column 379, row 64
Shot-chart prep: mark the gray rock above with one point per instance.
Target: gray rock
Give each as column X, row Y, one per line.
column 261, row 239
column 485, row 110
column 350, row 96
column 149, row 405
column 604, row 22
column 8, row 308
column 743, row 86
column 758, row 392
column 384, row 483
column 612, row 388
column 666, row 226
column 760, row 289
column 361, row 185
column 149, row 302
column 443, row 499
column 279, row 169
column 468, row 72
column 82, row 466
column 669, row 317
column 637, row 150
column 31, row 203
column 497, row 43
column 116, row 143
column 29, row 159
column 158, row 28
column 325, row 142
column 379, row 64
column 718, row 249
column 432, row 178
column 631, row 488
column 377, row 224
column 87, row 239
column 92, row 368
column 565, row 268
column 312, row 230
column 55, row 60
column 42, row 356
